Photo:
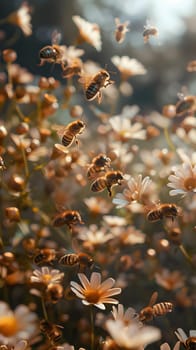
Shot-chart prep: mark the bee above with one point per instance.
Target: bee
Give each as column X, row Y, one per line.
column 53, row 53
column 165, row 210
column 110, row 179
column 67, row 217
column 149, row 30
column 45, row 255
column 98, row 164
column 188, row 342
column 83, row 260
column 186, row 104
column 69, row 133
column 153, row 310
column 93, row 85
column 121, row 30
column 191, row 66
column 53, row 332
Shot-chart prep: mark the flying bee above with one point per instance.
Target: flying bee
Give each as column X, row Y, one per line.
column 153, row 310
column 83, row 260
column 69, row 133
column 186, row 105
column 94, row 84
column 67, row 217
column 149, row 30
column 188, row 342
column 53, row 332
column 121, row 30
column 53, row 53
column 98, row 164
column 110, row 179
column 45, row 255
column 161, row 211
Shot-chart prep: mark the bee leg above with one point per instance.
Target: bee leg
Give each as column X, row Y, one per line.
column 109, row 191
column 99, row 96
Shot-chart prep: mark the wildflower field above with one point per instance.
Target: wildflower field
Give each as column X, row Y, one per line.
column 97, row 185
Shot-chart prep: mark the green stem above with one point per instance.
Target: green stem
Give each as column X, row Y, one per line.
column 26, row 168
column 186, row 255
column 44, row 309
column 169, row 140
column 92, row 327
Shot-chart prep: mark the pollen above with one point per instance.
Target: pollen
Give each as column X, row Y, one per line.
column 92, row 296
column 190, row 183
column 46, row 278
column 8, row 326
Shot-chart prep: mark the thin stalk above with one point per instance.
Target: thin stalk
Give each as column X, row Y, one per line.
column 92, row 328
column 19, row 112
column 44, row 309
column 184, row 252
column 26, row 168
column 169, row 140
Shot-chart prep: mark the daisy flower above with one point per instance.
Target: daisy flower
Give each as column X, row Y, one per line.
column 21, row 345
column 125, row 130
column 17, row 325
column 128, row 66
column 132, row 336
column 46, row 276
column 94, row 236
column 187, row 341
column 126, row 316
column 89, row 32
column 22, row 18
column 94, row 292
column 165, row 346
column 137, row 190
column 183, row 180
column 97, row 205
column 170, row 280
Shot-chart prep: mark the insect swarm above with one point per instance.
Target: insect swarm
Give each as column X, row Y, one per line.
column 153, row 310
column 121, row 30
column 99, row 163
column 53, row 53
column 67, row 217
column 110, row 179
column 69, row 133
column 163, row 210
column 94, row 84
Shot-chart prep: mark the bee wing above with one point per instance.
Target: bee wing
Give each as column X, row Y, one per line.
column 56, row 37
column 117, row 21
column 60, row 129
column 153, row 299
column 85, row 80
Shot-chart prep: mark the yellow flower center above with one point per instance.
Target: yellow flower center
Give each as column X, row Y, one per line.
column 46, row 278
column 92, row 296
column 8, row 326
column 190, row 183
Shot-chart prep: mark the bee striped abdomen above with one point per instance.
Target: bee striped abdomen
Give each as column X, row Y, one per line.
column 154, row 215
column 98, row 185
column 67, row 139
column 69, row 259
column 162, row 308
column 92, row 90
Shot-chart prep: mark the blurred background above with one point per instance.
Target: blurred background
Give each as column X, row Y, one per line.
column 165, row 56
